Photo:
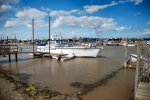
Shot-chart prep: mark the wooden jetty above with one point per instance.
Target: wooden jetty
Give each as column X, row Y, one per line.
column 143, row 91
column 6, row 49
column 142, row 75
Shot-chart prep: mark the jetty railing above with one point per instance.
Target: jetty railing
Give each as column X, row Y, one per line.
column 142, row 78
column 145, row 64
column 5, row 49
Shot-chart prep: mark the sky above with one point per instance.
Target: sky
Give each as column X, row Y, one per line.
column 75, row 18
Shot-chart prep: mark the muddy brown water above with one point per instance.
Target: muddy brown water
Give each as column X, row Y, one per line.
column 59, row 75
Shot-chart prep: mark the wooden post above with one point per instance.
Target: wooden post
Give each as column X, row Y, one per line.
column 9, row 57
column 126, row 54
column 7, row 39
column 49, row 39
column 15, row 39
column 1, row 41
column 33, row 35
column 16, row 57
column 137, row 67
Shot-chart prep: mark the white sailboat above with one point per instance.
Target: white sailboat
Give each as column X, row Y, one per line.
column 76, row 50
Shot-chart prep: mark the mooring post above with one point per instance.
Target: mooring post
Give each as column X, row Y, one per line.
column 7, row 39
column 126, row 54
column 15, row 39
column 137, row 66
column 16, row 57
column 33, row 35
column 1, row 41
column 9, row 57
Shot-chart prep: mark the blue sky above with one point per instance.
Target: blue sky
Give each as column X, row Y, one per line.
column 75, row 18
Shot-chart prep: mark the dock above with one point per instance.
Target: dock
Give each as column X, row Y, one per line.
column 142, row 75
column 13, row 49
column 9, row 50
column 143, row 91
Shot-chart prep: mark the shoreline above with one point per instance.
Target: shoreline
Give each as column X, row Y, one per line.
column 13, row 89
column 19, row 90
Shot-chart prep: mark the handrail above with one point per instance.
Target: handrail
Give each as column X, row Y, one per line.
column 4, row 48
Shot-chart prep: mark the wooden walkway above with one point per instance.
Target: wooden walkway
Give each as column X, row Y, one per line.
column 143, row 91
column 6, row 49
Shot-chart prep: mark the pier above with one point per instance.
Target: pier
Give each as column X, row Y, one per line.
column 142, row 76
column 9, row 50
column 13, row 50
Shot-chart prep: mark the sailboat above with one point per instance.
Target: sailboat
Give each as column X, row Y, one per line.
column 70, row 49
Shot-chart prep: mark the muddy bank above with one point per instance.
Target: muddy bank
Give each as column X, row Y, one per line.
column 85, row 88
column 14, row 89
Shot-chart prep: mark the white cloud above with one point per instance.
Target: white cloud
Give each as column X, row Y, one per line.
column 136, row 2
column 82, row 21
column 112, row 26
column 4, row 8
column 12, row 22
column 25, row 16
column 120, row 28
column 64, row 13
column 86, row 22
column 45, row 9
column 9, row 1
column 31, row 13
column 146, row 31
column 148, row 22
column 95, row 8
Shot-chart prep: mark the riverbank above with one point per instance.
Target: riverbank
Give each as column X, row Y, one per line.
column 7, row 90
column 13, row 89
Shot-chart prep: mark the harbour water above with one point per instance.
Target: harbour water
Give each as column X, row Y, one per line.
column 58, row 76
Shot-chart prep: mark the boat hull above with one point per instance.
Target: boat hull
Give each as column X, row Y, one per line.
column 78, row 52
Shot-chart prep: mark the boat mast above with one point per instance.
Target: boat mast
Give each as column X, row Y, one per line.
column 49, row 39
column 96, row 32
column 33, row 35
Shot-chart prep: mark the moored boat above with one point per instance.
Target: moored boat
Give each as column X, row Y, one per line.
column 66, row 48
